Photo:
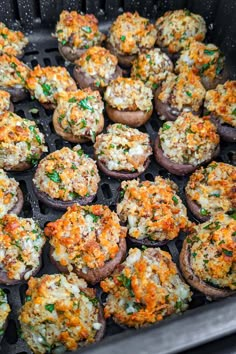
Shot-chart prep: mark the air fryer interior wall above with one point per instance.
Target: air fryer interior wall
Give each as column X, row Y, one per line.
column 37, row 19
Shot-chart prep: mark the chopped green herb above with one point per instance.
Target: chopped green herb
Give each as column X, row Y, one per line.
column 165, row 127
column 111, row 146
column 80, row 152
column 204, row 212
column 85, row 105
column 205, row 261
column 73, row 166
column 212, row 226
column 49, row 307
column 194, row 254
column 126, row 282
column 189, row 130
column 72, row 100
column 213, row 166
column 64, row 41
column 13, row 65
column 33, row 110
column 210, row 52
column 97, row 83
column 33, row 159
column 122, row 38
column 47, row 90
column 32, row 128
column 187, row 12
column 215, row 194
column 83, row 123
column 93, row 136
column 61, row 117
column 17, row 244
column 54, row 176
column 59, row 31
column 94, row 300
column 227, row 252
column 204, row 68
column 144, row 247
column 188, row 93
column 232, row 213
column 86, row 29
column 234, row 112
column 4, row 35
column 175, row 200
column 88, row 57
column 234, row 233
column 155, row 86
column 74, row 195
column 94, row 217
column 178, row 305
column 28, row 298
column 148, row 56
column 220, row 243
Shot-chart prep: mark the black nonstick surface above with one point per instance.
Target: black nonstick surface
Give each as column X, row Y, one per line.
column 43, row 51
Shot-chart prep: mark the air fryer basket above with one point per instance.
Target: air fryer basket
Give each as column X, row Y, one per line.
column 204, row 321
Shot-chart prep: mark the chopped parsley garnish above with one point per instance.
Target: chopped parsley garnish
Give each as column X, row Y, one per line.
column 33, row 159
column 28, row 298
column 73, row 166
column 4, row 35
column 175, row 200
column 97, row 83
column 188, row 93
column 86, row 29
column 61, row 117
column 85, row 105
column 88, row 57
column 126, row 282
column 144, row 247
column 72, row 100
column 228, row 253
column 194, row 254
column 165, row 127
column 210, row 52
column 94, row 217
column 54, row 176
column 215, row 194
column 47, row 90
column 80, row 152
column 64, row 41
column 204, row 68
column 83, row 123
column 234, row 112
column 187, row 12
column 212, row 226
column 204, row 212
column 155, row 86
column 33, row 110
column 33, row 130
column 122, row 38
column 50, row 307
column 232, row 213
column 74, row 195
column 59, row 31
column 94, row 300
column 178, row 305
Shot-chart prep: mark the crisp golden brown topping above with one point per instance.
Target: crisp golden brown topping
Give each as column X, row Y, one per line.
column 98, row 63
column 189, row 140
column 20, row 141
column 126, row 93
column 151, row 67
column 152, row 210
column 13, row 72
column 123, row 148
column 145, row 289
column 11, row 42
column 183, row 92
column 176, row 29
column 213, row 188
column 8, row 193
column 67, row 174
column 205, row 60
column 80, row 112
column 221, row 102
column 21, row 243
column 60, row 312
column 77, row 30
column 213, row 251
column 45, row 83
column 85, row 236
column 4, row 310
column 130, row 33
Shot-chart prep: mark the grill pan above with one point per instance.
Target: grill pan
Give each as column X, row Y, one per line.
column 204, row 321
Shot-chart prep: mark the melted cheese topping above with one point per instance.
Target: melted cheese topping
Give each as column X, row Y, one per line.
column 13, row 72
column 11, row 42
column 189, row 140
column 85, row 237
column 123, row 148
column 46, row 82
column 80, row 112
column 4, row 101
column 151, row 67
column 213, row 188
column 183, row 92
column 205, row 60
column 4, row 310
column 130, row 33
column 98, row 63
column 8, row 193
column 145, row 288
column 128, row 94
column 20, row 141
column 60, row 314
column 67, row 174
column 213, row 251
column 77, row 30
column 152, row 210
column 21, row 243
column 221, row 102
column 176, row 29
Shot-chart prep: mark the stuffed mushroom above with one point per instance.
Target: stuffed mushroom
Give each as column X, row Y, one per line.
column 45, row 83
column 96, row 68
column 151, row 67
column 21, row 244
column 145, row 289
column 221, row 105
column 188, row 142
column 5, row 102
column 176, row 29
column 153, row 212
column 21, row 142
column 179, row 93
column 76, row 33
column 129, row 35
column 122, row 152
column 208, row 256
column 128, row 101
column 87, row 240
column 4, row 312
column 65, row 177
column 78, row 116
column 211, row 189
column 13, row 76
column 12, row 42
column 206, row 60
column 11, row 196
column 61, row 314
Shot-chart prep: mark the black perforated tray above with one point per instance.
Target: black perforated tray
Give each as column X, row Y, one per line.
column 43, row 50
